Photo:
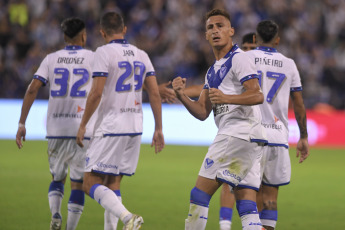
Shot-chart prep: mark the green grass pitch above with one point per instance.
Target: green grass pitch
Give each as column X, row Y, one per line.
column 159, row 191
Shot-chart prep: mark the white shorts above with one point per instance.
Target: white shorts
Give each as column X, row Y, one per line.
column 230, row 159
column 113, row 155
column 276, row 166
column 63, row 153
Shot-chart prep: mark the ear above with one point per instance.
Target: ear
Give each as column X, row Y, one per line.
column 232, row 31
column 124, row 31
column 277, row 40
column 254, row 38
column 103, row 33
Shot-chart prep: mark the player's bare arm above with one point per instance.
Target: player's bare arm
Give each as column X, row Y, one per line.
column 251, row 96
column 200, row 109
column 151, row 87
column 193, row 90
column 91, row 105
column 29, row 98
column 302, row 150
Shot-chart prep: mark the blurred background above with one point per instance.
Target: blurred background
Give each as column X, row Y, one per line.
column 172, row 33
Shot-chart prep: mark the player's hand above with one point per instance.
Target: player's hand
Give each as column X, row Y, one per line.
column 216, row 96
column 167, row 94
column 158, row 141
column 20, row 135
column 80, row 136
column 302, row 149
column 179, row 84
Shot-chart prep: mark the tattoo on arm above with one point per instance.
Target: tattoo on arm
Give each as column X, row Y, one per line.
column 302, row 124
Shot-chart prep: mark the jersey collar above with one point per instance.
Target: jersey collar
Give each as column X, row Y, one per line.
column 121, row 41
column 266, row 49
column 73, row 47
column 232, row 50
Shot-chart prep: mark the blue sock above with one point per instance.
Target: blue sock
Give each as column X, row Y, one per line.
column 56, row 186
column 92, row 190
column 269, row 214
column 77, row 197
column 199, row 197
column 245, row 207
column 225, row 213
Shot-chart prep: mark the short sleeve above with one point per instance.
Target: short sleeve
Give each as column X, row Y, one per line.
column 296, row 84
column 149, row 69
column 100, row 64
column 42, row 72
column 243, row 67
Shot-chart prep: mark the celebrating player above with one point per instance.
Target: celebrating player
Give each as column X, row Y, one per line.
column 67, row 72
column 279, row 78
column 232, row 90
column 119, row 72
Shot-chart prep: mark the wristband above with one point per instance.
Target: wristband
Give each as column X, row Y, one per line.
column 20, row 125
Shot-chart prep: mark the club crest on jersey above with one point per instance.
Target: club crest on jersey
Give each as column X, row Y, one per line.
column 208, row 163
column 222, row 72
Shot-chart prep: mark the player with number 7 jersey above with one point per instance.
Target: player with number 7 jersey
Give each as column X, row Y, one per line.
column 279, row 79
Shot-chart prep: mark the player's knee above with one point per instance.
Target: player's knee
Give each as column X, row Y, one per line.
column 86, row 187
column 199, row 197
column 270, row 204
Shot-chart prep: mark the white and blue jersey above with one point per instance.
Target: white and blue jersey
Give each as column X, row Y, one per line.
column 278, row 77
column 228, row 75
column 125, row 67
column 68, row 73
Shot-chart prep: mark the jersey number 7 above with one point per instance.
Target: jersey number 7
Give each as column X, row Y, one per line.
column 279, row 80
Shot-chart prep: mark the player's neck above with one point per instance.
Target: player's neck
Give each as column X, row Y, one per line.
column 220, row 52
column 270, row 45
column 114, row 37
column 75, row 44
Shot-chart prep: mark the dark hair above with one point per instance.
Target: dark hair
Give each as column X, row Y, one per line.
column 72, row 26
column 112, row 23
column 267, row 30
column 248, row 38
column 216, row 12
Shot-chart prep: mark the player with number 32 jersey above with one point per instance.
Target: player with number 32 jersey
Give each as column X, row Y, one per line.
column 68, row 72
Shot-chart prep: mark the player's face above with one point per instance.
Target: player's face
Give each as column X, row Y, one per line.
column 248, row 46
column 219, row 31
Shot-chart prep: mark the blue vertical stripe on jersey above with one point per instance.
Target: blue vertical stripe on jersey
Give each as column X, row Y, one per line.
column 215, row 79
column 43, row 80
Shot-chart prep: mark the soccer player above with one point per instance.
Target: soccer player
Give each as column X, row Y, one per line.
column 227, row 198
column 119, row 72
column 67, row 72
column 232, row 90
column 279, row 78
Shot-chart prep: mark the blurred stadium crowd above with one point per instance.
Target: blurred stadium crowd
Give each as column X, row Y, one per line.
column 173, row 34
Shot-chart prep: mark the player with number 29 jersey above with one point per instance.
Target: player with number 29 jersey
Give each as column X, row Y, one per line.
column 68, row 73
column 278, row 77
column 125, row 66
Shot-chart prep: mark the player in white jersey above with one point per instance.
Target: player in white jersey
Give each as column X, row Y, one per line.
column 279, row 78
column 67, row 72
column 120, row 70
column 232, row 90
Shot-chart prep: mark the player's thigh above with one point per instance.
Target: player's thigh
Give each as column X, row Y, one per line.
column 77, row 162
column 276, row 166
column 229, row 159
column 59, row 151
